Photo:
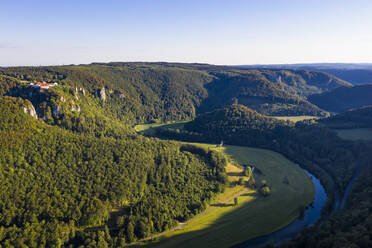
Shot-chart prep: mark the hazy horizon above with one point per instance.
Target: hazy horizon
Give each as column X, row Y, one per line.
column 216, row 32
column 170, row 62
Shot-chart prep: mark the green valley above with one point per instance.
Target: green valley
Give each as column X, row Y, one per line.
column 99, row 155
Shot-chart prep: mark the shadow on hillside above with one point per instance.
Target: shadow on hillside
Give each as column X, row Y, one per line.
column 253, row 194
column 224, row 91
column 222, row 205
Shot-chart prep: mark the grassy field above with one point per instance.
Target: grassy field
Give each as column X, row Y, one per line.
column 223, row 225
column 148, row 128
column 354, row 134
column 295, row 118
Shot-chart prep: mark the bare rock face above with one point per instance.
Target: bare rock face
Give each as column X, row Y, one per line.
column 76, row 93
column 74, row 107
column 29, row 109
column 82, row 91
column 102, row 94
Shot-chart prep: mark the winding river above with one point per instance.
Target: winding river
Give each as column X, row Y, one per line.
column 310, row 216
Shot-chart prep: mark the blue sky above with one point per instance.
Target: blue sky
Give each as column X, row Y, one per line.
column 41, row 32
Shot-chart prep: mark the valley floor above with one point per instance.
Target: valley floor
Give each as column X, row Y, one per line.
column 223, row 224
column 296, row 118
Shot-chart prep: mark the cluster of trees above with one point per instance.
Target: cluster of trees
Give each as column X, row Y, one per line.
column 55, row 183
column 264, row 188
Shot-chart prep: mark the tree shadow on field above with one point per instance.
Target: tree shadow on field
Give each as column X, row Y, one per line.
column 253, row 194
column 234, row 174
column 222, row 205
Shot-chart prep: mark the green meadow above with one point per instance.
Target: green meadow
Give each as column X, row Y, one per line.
column 148, row 128
column 295, row 118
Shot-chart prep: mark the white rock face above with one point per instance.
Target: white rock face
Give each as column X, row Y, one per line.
column 82, row 91
column 74, row 108
column 76, row 93
column 102, row 94
column 29, row 109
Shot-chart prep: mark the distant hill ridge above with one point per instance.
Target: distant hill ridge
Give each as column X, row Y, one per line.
column 355, row 73
column 155, row 92
column 344, row 98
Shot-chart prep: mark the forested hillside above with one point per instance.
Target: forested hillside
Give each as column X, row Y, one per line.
column 305, row 82
column 344, row 98
column 155, row 92
column 234, row 125
column 55, row 183
column 355, row 118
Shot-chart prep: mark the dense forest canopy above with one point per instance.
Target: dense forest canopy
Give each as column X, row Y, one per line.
column 55, row 182
column 355, row 118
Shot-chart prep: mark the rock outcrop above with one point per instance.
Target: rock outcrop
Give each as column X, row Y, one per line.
column 29, row 109
column 102, row 94
column 82, row 91
column 76, row 94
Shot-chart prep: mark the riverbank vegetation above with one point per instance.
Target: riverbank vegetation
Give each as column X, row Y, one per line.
column 350, row 226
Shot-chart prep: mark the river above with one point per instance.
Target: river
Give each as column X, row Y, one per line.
column 310, row 216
